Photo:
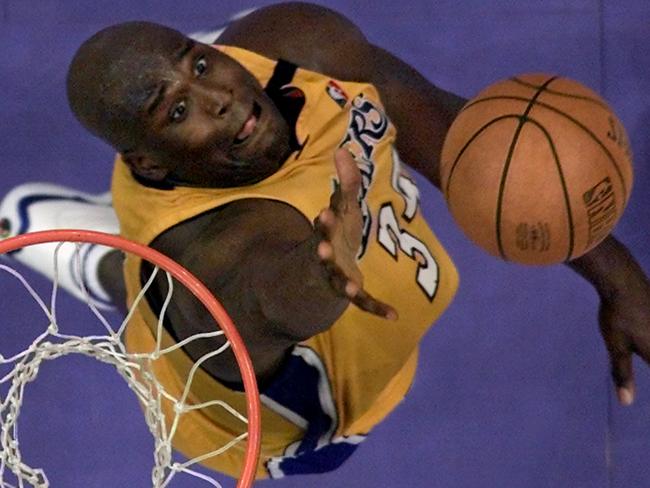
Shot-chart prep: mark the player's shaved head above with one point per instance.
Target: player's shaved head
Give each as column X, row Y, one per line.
column 112, row 75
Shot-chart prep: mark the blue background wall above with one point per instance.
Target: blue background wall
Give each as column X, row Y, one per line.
column 513, row 387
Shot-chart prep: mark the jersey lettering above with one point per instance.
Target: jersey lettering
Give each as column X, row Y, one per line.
column 368, row 125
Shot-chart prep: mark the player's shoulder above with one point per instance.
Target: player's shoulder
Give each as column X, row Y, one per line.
column 309, row 35
column 225, row 238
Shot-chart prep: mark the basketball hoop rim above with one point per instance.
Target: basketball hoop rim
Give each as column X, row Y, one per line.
column 249, row 470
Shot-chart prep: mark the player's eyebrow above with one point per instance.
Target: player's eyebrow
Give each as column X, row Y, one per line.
column 160, row 95
column 187, row 47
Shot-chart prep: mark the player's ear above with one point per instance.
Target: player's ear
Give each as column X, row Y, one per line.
column 144, row 165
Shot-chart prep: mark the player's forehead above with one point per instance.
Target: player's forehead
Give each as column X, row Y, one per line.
column 159, row 37
column 160, row 54
column 154, row 46
column 171, row 46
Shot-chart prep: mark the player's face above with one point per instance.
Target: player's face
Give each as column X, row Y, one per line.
column 209, row 122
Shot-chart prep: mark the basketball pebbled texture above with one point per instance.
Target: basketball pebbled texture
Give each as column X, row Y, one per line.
column 536, row 169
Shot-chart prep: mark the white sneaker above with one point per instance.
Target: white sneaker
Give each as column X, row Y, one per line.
column 43, row 206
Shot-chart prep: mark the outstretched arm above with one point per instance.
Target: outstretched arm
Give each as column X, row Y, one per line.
column 422, row 114
column 622, row 285
column 281, row 279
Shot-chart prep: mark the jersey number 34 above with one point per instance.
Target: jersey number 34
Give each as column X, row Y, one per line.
column 394, row 239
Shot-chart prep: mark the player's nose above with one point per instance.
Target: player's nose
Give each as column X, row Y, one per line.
column 215, row 102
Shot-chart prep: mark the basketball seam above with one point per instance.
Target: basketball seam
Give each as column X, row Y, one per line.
column 593, row 136
column 576, row 122
column 565, row 191
column 467, row 144
column 504, row 174
column 561, row 94
column 522, row 99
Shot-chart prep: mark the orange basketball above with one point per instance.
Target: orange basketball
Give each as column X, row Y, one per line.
column 536, row 169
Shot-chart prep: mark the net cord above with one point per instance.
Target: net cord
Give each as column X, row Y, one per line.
column 135, row 368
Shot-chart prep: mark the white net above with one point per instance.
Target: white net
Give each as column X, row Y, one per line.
column 137, row 370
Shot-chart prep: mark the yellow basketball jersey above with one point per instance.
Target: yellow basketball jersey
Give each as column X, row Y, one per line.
column 342, row 382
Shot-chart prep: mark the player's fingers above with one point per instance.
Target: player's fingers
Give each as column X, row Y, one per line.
column 623, row 376
column 620, row 357
column 336, row 199
column 338, row 279
column 620, row 348
column 640, row 343
column 366, row 302
column 325, row 251
column 325, row 224
column 356, row 294
column 344, row 285
column 349, row 176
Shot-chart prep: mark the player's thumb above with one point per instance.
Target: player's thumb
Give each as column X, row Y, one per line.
column 348, row 172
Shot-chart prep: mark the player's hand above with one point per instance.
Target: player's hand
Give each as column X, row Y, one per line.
column 339, row 228
column 625, row 326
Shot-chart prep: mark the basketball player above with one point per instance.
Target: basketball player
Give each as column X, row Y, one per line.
column 281, row 187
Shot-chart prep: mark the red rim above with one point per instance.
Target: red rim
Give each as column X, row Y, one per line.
column 247, row 476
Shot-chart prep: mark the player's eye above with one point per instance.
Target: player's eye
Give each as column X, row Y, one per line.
column 200, row 66
column 178, row 111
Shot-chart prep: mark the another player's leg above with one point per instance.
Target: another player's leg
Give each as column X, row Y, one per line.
column 34, row 207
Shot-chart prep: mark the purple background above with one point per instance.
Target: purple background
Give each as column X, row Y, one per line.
column 513, row 386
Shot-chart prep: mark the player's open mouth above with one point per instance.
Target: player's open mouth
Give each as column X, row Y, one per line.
column 249, row 125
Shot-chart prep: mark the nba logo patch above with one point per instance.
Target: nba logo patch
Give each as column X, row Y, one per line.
column 336, row 93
